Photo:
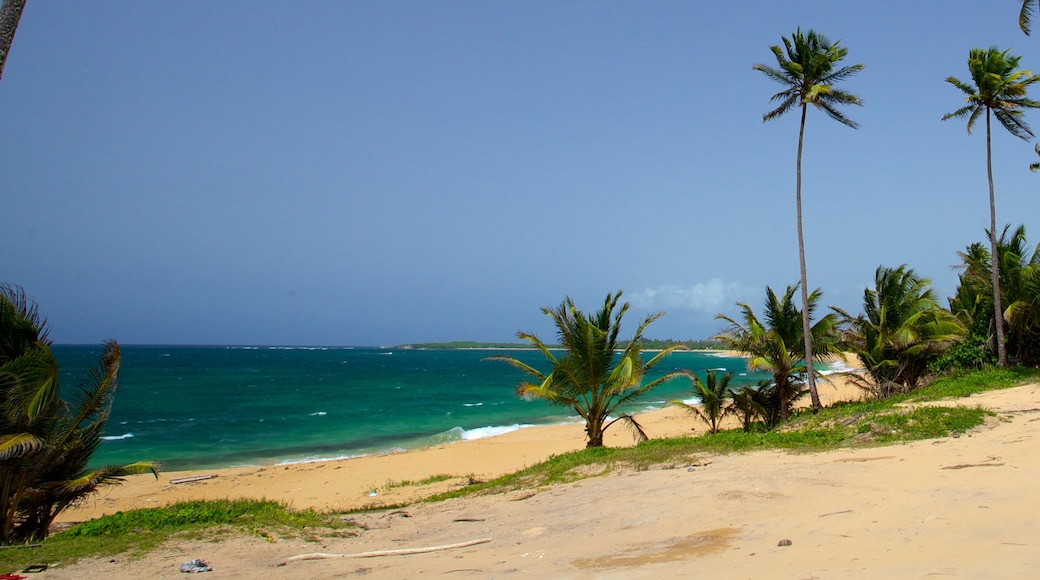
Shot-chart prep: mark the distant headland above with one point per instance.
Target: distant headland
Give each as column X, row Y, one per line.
column 648, row 344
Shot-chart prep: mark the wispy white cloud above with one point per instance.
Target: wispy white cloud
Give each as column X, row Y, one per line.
column 711, row 297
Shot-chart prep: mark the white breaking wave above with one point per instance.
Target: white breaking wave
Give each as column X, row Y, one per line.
column 117, row 437
column 482, row 432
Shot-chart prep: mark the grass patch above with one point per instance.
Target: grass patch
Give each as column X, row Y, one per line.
column 927, row 423
column 136, row 532
column 967, row 384
column 428, row 481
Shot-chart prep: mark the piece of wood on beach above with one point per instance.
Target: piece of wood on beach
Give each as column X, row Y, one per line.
column 191, row 479
column 381, row 553
column 990, row 461
column 967, row 465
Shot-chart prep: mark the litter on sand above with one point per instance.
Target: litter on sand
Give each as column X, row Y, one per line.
column 195, row 566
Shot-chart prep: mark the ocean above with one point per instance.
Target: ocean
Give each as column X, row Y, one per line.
column 204, row 407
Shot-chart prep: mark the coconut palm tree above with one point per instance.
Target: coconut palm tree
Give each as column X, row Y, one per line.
column 46, row 443
column 712, row 392
column 807, row 66
column 902, row 330
column 593, row 375
column 776, row 345
column 10, row 15
column 999, row 90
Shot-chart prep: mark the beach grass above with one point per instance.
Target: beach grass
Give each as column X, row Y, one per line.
column 136, row 532
column 419, row 483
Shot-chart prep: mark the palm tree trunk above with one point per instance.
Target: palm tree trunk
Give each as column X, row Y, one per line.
column 594, row 430
column 10, row 14
column 806, row 328
column 998, row 310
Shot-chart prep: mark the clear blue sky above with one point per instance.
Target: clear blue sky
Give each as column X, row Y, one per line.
column 372, row 173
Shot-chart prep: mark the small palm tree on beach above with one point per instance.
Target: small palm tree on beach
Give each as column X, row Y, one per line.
column 999, row 90
column 775, row 345
column 807, row 66
column 750, row 404
column 592, row 374
column 712, row 392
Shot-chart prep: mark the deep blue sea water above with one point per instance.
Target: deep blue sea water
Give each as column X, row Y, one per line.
column 205, row 407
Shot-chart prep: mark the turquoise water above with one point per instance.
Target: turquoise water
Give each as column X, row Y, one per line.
column 206, row 407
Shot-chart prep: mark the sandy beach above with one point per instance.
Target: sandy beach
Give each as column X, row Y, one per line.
column 369, row 481
column 960, row 507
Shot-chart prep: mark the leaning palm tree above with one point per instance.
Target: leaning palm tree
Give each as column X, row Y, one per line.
column 806, row 66
column 999, row 90
column 46, row 444
column 593, row 375
column 712, row 392
column 775, row 346
column 902, row 330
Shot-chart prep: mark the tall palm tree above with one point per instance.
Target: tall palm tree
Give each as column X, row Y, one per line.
column 999, row 90
column 776, row 345
column 10, row 15
column 902, row 330
column 712, row 392
column 806, row 66
column 46, row 443
column 594, row 375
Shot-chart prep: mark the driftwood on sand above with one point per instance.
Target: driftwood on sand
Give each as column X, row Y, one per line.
column 381, row 553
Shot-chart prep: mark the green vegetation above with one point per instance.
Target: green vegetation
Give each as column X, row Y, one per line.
column 661, row 344
column 903, row 331
column 137, row 531
column 806, row 68
column 427, row 481
column 776, row 346
column 712, row 393
column 591, row 376
column 45, row 442
column 1019, row 273
column 465, row 344
column 999, row 90
column 645, row 343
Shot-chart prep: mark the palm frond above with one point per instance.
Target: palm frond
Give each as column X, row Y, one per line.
column 1025, row 16
column 19, row 445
